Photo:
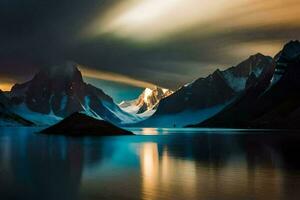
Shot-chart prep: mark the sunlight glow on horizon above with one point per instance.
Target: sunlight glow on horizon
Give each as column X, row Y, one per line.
column 6, row 86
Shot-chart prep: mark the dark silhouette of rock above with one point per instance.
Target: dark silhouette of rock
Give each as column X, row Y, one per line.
column 78, row 124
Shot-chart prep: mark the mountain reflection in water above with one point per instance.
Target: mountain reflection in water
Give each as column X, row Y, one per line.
column 191, row 164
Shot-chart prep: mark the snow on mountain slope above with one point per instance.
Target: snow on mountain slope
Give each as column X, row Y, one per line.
column 145, row 105
column 184, row 118
column 7, row 116
column 265, row 105
column 237, row 76
column 37, row 118
column 126, row 118
column 57, row 92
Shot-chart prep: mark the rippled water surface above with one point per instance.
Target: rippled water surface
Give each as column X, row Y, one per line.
column 156, row 164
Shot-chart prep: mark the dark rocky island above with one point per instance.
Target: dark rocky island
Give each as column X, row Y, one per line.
column 78, row 124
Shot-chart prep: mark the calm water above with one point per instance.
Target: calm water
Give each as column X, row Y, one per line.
column 165, row 164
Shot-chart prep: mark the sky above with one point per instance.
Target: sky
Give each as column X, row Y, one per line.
column 140, row 43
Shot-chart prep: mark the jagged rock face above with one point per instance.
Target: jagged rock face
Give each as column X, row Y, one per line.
column 267, row 104
column 203, row 93
column 237, row 77
column 289, row 52
column 217, row 88
column 148, row 100
column 62, row 91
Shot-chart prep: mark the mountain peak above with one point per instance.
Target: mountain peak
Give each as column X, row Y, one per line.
column 258, row 56
column 67, row 70
column 148, row 100
column 60, row 90
column 293, row 43
column 290, row 51
column 147, row 93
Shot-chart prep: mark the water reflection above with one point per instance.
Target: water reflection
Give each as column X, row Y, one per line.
column 150, row 170
column 224, row 168
column 188, row 166
column 159, row 175
column 35, row 168
column 148, row 131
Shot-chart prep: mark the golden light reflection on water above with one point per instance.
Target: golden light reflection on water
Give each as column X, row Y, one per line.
column 149, row 168
column 160, row 176
column 149, row 131
column 167, row 177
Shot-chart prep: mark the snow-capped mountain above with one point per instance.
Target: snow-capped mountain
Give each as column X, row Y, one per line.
column 55, row 93
column 237, row 76
column 273, row 102
column 205, row 97
column 147, row 102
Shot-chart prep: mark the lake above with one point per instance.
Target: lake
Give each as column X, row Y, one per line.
column 156, row 164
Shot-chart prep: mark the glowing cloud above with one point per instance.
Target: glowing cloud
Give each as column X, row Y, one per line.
column 154, row 19
column 109, row 76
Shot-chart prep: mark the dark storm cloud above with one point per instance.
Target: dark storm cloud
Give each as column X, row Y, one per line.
column 37, row 34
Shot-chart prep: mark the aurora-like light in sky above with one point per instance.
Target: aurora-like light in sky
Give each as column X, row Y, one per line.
column 148, row 20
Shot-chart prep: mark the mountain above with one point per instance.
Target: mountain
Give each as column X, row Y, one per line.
column 273, row 102
column 7, row 117
column 205, row 97
column 55, row 93
column 78, row 124
column 147, row 102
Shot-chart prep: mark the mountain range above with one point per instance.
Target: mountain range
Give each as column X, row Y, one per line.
column 205, row 97
column 260, row 92
column 272, row 101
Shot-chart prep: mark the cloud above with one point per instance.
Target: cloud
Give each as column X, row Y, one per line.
column 164, row 42
column 150, row 20
column 114, row 77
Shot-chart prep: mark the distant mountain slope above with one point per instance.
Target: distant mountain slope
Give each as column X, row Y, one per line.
column 147, row 102
column 8, row 118
column 60, row 91
column 273, row 102
column 205, row 97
